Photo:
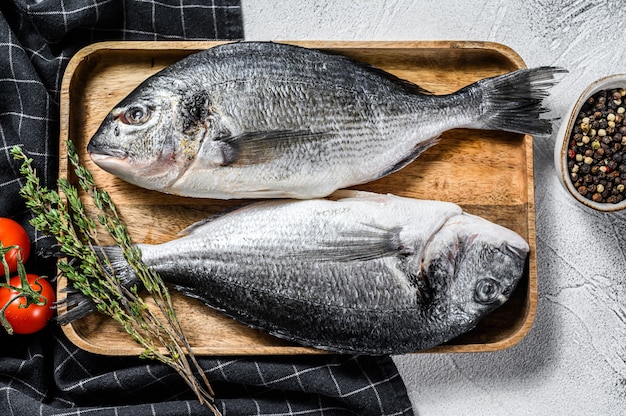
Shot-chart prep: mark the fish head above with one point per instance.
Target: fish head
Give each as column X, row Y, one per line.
column 138, row 139
column 479, row 266
column 491, row 261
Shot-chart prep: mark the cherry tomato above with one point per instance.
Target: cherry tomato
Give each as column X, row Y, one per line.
column 34, row 317
column 12, row 234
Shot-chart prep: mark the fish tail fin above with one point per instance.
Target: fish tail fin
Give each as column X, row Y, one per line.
column 79, row 305
column 113, row 257
column 514, row 101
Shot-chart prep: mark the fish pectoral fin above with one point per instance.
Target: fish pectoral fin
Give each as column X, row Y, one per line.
column 371, row 243
column 256, row 147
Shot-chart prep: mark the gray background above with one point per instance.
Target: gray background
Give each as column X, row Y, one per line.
column 573, row 361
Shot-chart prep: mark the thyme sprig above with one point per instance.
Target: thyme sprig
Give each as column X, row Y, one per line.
column 62, row 215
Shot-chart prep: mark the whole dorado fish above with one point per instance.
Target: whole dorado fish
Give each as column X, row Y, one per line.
column 368, row 273
column 268, row 120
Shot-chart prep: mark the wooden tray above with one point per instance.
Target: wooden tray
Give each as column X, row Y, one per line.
column 488, row 173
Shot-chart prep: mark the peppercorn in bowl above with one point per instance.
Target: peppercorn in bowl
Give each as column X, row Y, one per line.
column 590, row 150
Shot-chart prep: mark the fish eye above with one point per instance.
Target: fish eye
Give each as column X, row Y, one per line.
column 487, row 291
column 136, row 115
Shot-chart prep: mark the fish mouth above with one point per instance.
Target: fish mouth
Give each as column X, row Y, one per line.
column 111, row 160
column 101, row 155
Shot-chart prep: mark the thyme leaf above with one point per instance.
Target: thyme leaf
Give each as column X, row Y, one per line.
column 84, row 264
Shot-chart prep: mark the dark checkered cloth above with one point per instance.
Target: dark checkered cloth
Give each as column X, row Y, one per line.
column 44, row 373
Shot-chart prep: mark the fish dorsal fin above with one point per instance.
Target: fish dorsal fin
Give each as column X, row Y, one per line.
column 191, row 229
column 256, row 147
column 403, row 84
column 369, row 243
column 196, row 225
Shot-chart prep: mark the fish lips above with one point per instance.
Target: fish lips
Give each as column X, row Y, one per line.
column 106, row 157
column 99, row 154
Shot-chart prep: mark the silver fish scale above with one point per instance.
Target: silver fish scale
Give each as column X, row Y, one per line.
column 296, row 257
column 357, row 114
column 296, row 273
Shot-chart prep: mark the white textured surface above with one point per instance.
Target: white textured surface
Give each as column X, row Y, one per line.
column 573, row 362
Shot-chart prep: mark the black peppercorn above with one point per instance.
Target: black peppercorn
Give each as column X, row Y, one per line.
column 596, row 158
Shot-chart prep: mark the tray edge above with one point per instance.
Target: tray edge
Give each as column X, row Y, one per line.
column 90, row 51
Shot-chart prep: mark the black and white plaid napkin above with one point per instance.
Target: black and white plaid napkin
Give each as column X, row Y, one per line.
column 44, row 373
